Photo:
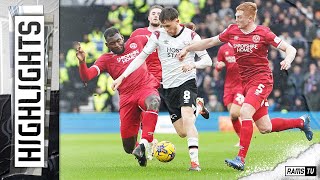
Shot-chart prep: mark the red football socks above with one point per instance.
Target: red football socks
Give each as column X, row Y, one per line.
column 245, row 137
column 149, row 122
column 280, row 124
column 237, row 126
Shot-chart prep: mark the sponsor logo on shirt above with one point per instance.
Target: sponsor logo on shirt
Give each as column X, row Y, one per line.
column 245, row 47
column 172, row 52
column 128, row 57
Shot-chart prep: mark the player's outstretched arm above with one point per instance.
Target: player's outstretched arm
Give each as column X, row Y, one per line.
column 86, row 74
column 290, row 55
column 199, row 46
column 203, row 63
column 135, row 64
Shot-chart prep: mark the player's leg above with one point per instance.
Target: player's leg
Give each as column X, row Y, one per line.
column 262, row 120
column 255, row 94
column 149, row 102
column 188, row 95
column 179, row 127
column 173, row 105
column 234, row 110
column 129, row 144
column 280, row 124
column 233, row 101
column 129, row 126
column 188, row 118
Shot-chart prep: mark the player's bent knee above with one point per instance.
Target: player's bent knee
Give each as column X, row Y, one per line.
column 182, row 135
column 153, row 103
column 234, row 116
column 265, row 130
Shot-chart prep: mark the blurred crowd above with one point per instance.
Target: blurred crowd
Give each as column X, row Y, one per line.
column 296, row 22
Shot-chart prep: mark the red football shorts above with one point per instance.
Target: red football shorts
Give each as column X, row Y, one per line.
column 256, row 94
column 131, row 107
column 234, row 96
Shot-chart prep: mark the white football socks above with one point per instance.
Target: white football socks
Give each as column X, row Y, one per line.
column 193, row 151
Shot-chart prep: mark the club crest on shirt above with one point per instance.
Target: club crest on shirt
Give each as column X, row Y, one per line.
column 133, row 45
column 166, row 42
column 236, row 38
column 256, row 38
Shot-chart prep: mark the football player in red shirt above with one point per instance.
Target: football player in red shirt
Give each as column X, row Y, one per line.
column 250, row 43
column 138, row 92
column 232, row 97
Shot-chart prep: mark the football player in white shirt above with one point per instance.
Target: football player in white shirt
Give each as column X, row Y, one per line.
column 179, row 78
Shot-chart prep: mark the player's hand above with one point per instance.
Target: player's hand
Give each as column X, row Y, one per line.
column 219, row 65
column 285, row 65
column 188, row 67
column 81, row 55
column 116, row 83
column 182, row 54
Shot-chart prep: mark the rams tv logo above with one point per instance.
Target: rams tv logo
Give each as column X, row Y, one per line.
column 300, row 170
column 29, row 103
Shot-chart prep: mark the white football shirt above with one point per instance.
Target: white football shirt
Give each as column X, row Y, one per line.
column 168, row 48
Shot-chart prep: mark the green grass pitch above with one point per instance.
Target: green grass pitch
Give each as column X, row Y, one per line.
column 100, row 156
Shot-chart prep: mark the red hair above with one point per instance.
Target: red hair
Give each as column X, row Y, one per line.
column 248, row 8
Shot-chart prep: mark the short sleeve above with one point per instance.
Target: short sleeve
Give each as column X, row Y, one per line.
column 273, row 39
column 224, row 35
column 152, row 44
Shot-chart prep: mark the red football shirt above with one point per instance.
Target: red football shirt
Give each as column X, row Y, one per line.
column 115, row 65
column 153, row 62
column 251, row 49
column 226, row 55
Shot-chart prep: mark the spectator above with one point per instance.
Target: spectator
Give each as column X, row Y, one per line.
column 315, row 47
column 310, row 30
column 113, row 17
column 186, row 11
column 311, row 78
column 299, row 41
column 299, row 105
column 225, row 9
column 126, row 16
column 100, row 100
column 295, row 82
column 313, row 98
column 211, row 7
column 203, row 31
column 214, row 105
column 213, row 23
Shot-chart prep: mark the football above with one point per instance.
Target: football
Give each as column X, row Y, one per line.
column 164, row 151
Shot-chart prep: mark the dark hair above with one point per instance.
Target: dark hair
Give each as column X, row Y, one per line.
column 154, row 7
column 168, row 14
column 110, row 32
